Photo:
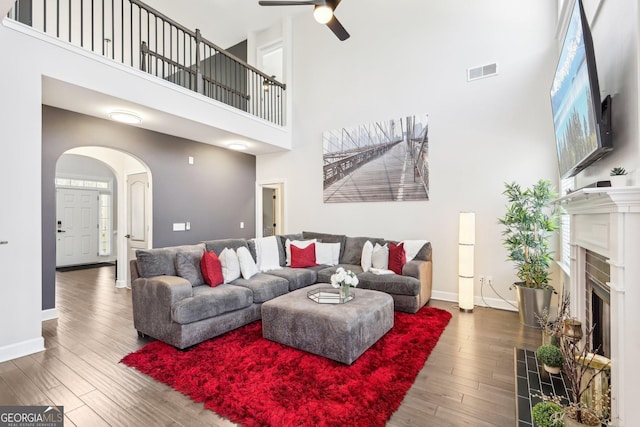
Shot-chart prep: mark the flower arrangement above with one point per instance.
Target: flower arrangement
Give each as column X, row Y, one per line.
column 344, row 279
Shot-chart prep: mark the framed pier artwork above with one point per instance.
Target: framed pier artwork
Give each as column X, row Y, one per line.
column 377, row 162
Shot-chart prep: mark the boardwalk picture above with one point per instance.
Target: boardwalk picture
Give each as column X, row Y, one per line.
column 377, row 162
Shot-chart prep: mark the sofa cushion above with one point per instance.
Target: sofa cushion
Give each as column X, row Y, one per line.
column 211, row 269
column 352, row 253
column 161, row 261
column 303, row 257
column 328, row 253
column 218, row 245
column 298, row 243
column 326, row 238
column 283, row 238
column 397, row 257
column 264, row 286
column 367, row 254
column 390, row 283
column 230, row 265
column 297, row 277
column 424, row 254
column 380, row 257
column 188, row 267
column 248, row 267
column 208, row 302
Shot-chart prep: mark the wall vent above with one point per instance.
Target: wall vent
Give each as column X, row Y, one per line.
column 482, row 71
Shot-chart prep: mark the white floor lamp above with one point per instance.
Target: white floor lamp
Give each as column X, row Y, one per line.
column 466, row 243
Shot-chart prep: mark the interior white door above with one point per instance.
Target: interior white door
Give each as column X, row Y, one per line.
column 138, row 214
column 77, row 226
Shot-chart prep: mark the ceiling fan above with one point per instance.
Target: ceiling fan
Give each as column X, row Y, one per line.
column 322, row 12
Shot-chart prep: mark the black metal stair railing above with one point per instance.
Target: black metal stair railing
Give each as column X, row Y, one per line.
column 134, row 34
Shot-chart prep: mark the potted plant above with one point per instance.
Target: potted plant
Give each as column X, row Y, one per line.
column 547, row 414
column 528, row 222
column 618, row 177
column 551, row 358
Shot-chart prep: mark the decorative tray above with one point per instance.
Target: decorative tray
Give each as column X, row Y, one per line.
column 329, row 296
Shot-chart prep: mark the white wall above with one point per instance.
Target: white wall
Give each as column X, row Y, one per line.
column 411, row 57
column 21, row 80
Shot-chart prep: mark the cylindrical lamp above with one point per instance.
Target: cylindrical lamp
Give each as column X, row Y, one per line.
column 466, row 243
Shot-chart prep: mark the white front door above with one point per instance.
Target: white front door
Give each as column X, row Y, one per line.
column 77, row 226
column 138, row 214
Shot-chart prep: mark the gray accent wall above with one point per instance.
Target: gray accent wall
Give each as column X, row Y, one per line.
column 215, row 194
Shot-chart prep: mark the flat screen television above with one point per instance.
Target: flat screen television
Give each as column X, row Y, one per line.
column 582, row 122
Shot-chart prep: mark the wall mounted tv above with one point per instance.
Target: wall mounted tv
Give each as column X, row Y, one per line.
column 582, row 122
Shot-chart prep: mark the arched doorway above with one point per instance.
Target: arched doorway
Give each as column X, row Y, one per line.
column 114, row 220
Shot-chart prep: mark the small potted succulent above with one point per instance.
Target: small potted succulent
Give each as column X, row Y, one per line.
column 618, row 177
column 551, row 358
column 547, row 414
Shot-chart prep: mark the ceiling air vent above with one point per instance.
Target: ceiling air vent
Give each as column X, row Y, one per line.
column 482, row 71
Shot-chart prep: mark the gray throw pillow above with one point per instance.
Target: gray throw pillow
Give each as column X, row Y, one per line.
column 161, row 261
column 188, row 267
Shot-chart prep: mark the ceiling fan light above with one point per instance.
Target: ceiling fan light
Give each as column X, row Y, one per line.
column 322, row 13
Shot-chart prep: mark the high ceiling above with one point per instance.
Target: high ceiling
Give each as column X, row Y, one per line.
column 224, row 22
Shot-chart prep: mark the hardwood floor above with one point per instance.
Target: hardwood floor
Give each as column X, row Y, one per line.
column 467, row 381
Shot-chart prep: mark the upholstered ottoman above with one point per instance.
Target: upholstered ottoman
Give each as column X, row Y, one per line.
column 340, row 332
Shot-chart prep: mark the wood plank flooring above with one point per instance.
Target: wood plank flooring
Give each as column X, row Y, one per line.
column 467, row 381
column 389, row 177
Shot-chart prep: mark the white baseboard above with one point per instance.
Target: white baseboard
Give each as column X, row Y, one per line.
column 488, row 302
column 24, row 348
column 121, row 283
column 49, row 314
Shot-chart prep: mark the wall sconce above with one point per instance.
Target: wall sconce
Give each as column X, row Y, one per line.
column 466, row 245
column 267, row 83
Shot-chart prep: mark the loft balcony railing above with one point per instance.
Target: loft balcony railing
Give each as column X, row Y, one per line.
column 134, row 34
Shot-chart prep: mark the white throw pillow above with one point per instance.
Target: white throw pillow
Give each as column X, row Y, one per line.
column 297, row 243
column 230, row 265
column 412, row 247
column 327, row 253
column 366, row 257
column 380, row 257
column 267, row 253
column 248, row 267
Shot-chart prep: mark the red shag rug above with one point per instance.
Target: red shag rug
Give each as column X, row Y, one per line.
column 256, row 382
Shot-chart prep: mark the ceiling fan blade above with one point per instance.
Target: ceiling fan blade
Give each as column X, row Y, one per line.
column 286, row 3
column 337, row 28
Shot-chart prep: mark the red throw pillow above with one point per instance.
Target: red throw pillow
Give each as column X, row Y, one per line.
column 211, row 269
column 303, row 257
column 397, row 257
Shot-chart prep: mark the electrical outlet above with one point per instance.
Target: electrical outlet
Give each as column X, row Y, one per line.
column 482, row 280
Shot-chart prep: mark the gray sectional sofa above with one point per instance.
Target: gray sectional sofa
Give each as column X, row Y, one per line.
column 183, row 311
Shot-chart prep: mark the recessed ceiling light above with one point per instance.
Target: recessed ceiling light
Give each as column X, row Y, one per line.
column 125, row 117
column 237, row 146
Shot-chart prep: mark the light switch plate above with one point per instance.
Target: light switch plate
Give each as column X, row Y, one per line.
column 179, row 226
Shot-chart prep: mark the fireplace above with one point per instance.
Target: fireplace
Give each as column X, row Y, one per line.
column 597, row 295
column 604, row 273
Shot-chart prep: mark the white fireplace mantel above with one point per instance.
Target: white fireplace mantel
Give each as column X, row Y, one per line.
column 607, row 221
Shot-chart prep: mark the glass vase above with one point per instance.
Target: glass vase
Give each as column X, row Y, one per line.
column 344, row 292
